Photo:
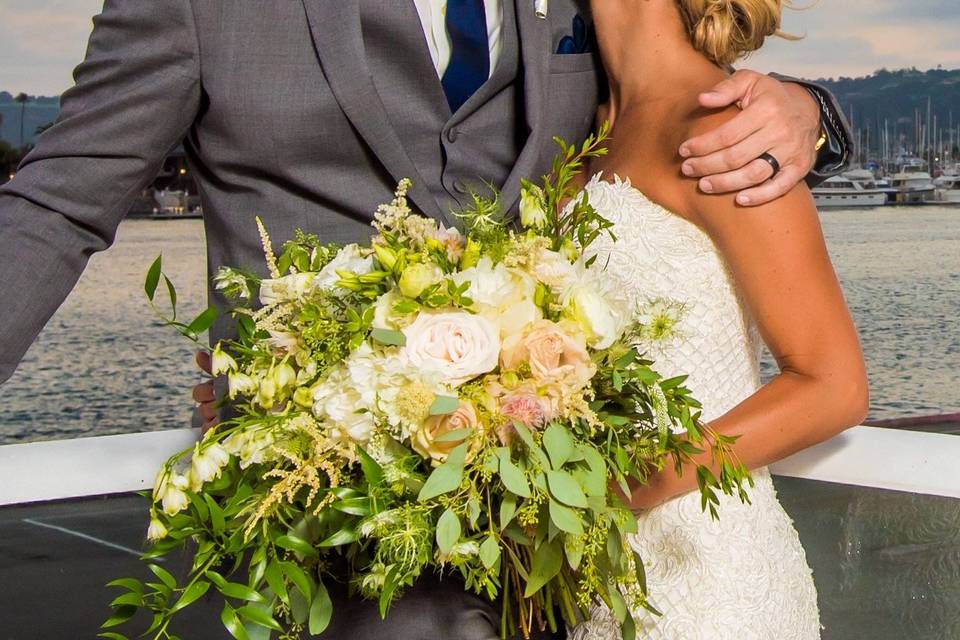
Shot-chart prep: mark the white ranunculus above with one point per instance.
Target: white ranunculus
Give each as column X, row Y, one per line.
column 600, row 320
column 503, row 296
column 351, row 259
column 554, row 269
column 455, row 346
column 383, row 316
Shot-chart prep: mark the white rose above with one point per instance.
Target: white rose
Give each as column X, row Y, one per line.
column 456, row 346
column 350, row 259
column 504, row 296
column 383, row 316
column 285, row 289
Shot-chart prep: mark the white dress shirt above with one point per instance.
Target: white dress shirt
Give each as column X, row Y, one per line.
column 433, row 17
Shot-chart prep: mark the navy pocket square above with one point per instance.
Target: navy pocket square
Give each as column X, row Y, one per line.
column 582, row 40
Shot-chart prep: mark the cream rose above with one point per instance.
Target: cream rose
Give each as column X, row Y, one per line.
column 454, row 346
column 552, row 353
column 424, row 439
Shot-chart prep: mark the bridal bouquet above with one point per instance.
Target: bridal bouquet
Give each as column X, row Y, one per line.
column 433, row 400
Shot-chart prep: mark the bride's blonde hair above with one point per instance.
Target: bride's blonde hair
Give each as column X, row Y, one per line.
column 726, row 30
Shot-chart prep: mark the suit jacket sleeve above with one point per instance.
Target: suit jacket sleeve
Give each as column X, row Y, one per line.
column 835, row 155
column 135, row 96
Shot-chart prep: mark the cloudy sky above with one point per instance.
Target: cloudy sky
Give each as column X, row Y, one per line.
column 41, row 40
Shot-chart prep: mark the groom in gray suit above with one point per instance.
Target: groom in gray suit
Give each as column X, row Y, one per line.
column 308, row 112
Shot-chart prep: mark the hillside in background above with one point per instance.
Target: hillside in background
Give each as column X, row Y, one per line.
column 897, row 97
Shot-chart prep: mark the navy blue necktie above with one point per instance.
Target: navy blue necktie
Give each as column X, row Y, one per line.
column 470, row 51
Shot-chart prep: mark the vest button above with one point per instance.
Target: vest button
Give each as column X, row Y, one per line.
column 460, row 186
column 452, row 134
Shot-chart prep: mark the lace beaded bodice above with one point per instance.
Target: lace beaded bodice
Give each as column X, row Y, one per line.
column 744, row 577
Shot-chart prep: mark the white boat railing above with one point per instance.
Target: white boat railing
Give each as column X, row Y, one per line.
column 915, row 462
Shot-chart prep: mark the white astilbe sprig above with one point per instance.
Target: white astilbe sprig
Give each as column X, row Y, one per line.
column 268, row 249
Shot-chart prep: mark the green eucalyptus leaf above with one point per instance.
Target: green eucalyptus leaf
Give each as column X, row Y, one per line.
column 573, row 548
column 512, row 477
column 446, row 477
column 389, row 338
column 566, row 489
column 457, row 435
column 131, row 584
column 508, row 509
column 524, row 434
column 559, row 445
column 490, row 552
column 547, row 563
column 444, row 405
column 565, row 518
column 448, row 531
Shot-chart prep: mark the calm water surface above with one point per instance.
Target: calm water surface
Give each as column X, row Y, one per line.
column 104, row 366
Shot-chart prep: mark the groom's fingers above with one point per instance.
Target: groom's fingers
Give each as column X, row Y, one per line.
column 204, row 392
column 726, row 160
column 204, row 361
column 780, row 185
column 724, row 138
column 737, row 89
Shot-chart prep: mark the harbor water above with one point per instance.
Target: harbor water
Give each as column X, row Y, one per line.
column 104, row 365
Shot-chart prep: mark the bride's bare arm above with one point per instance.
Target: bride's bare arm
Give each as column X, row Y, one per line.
column 779, row 260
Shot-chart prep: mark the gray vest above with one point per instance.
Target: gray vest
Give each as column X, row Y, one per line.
column 453, row 152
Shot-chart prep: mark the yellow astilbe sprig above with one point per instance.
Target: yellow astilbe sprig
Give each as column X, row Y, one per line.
column 272, row 317
column 268, row 249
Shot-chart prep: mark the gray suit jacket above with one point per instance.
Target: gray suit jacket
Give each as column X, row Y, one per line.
column 279, row 117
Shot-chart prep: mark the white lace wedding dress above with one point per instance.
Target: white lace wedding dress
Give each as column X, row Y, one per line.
column 744, row 577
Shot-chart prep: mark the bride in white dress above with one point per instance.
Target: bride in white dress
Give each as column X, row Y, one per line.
column 745, row 275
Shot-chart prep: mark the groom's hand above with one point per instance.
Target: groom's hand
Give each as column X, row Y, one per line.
column 779, row 118
column 204, row 395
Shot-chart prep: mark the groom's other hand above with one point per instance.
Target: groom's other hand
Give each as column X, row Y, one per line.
column 205, row 396
column 779, row 118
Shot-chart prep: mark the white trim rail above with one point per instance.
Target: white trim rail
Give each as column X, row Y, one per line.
column 914, row 462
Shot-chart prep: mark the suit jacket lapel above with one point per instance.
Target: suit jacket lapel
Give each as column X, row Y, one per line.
column 338, row 40
column 535, row 43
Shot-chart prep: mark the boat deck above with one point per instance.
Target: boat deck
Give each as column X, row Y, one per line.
column 879, row 576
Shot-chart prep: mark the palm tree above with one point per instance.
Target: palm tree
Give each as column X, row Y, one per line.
column 22, row 100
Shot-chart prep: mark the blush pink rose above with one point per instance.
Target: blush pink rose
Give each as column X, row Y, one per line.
column 424, row 439
column 552, row 353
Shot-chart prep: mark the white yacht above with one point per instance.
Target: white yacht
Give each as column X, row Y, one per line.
column 844, row 193
column 913, row 183
column 948, row 189
column 870, row 181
